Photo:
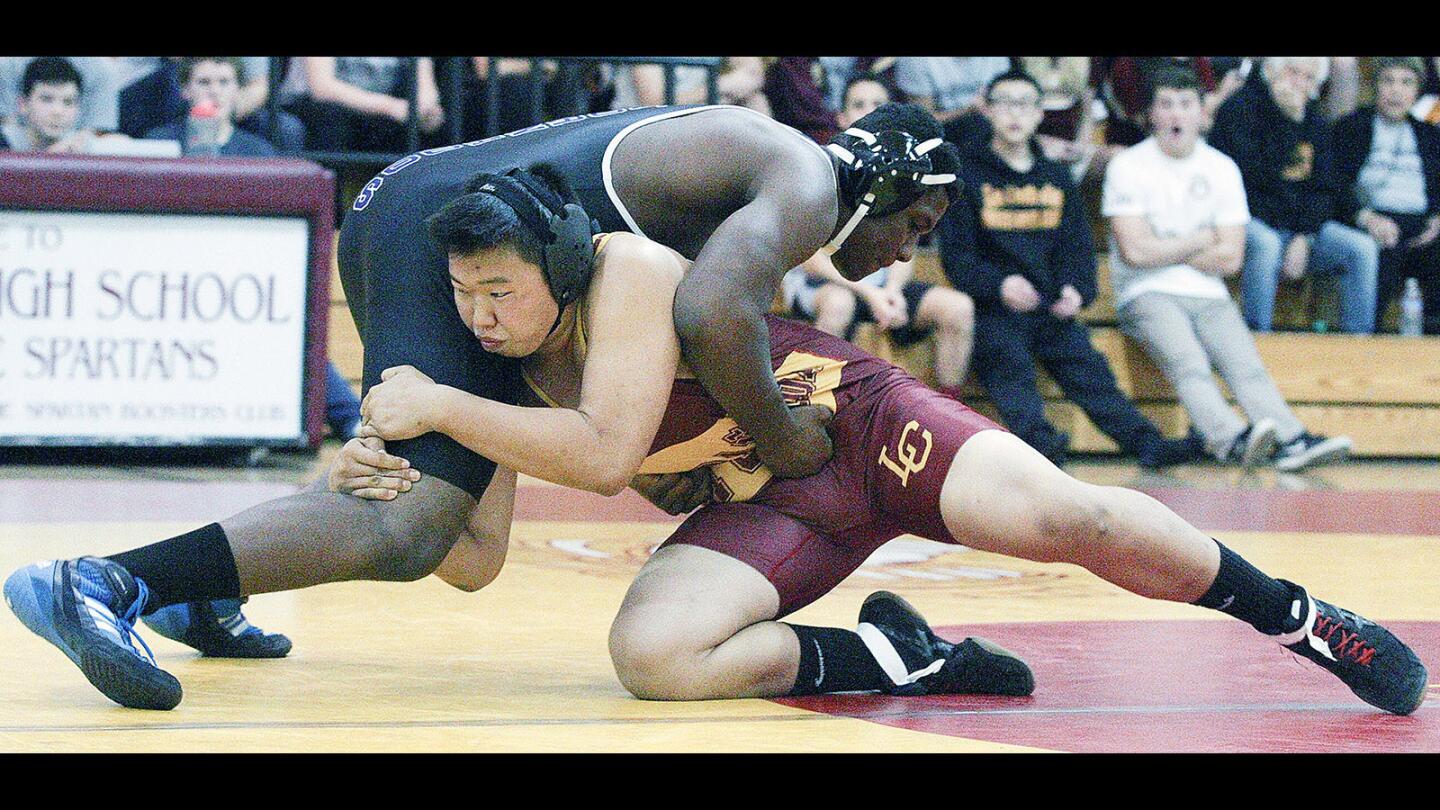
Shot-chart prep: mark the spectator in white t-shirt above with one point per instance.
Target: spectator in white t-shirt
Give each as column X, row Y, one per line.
column 1177, row 212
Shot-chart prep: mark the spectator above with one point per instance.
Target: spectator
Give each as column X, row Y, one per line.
column 216, row 79
column 1067, row 130
column 154, row 98
column 908, row 310
column 97, row 114
column 740, row 82
column 1387, row 165
column 840, row 70
column 950, row 87
column 1018, row 242
column 796, row 87
column 1177, row 221
column 1275, row 133
column 361, row 102
column 1125, row 85
column 47, row 109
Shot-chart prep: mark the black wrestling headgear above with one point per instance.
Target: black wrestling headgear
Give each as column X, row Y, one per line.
column 563, row 228
column 882, row 172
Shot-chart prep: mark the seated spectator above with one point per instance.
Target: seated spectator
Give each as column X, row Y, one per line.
column 48, row 108
column 1124, row 88
column 1018, row 242
column 154, row 99
column 215, row 79
column 361, row 102
column 840, row 70
column 908, row 311
column 1067, row 130
column 97, row 115
column 1275, row 133
column 1387, row 169
column 796, row 87
column 951, row 88
column 741, row 82
column 1177, row 222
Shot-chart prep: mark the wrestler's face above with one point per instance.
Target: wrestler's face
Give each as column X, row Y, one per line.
column 881, row 241
column 503, row 300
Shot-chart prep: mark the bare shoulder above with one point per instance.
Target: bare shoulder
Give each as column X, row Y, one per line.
column 631, row 260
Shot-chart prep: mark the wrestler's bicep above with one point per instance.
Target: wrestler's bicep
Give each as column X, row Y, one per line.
column 632, row 351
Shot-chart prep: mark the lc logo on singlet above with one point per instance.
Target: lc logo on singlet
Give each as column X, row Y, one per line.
column 906, row 453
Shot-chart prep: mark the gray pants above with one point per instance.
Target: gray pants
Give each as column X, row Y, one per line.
column 1187, row 338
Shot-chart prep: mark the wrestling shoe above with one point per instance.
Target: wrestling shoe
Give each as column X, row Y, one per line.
column 918, row 662
column 217, row 629
column 1308, row 449
column 1376, row 665
column 87, row 608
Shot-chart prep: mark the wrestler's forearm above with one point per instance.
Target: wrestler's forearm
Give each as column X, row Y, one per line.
column 728, row 349
column 560, row 445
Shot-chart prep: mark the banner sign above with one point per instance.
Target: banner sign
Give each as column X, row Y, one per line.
column 152, row 328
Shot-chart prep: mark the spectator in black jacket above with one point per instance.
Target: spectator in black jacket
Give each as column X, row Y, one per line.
column 1387, row 169
column 1277, row 135
column 1018, row 243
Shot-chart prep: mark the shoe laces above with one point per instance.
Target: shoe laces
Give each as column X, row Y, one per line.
column 1341, row 633
column 123, row 624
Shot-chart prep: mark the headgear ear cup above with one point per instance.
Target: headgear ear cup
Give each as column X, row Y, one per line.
column 567, row 253
column 882, row 173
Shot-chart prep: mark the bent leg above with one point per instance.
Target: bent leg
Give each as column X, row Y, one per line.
column 951, row 315
column 696, row 625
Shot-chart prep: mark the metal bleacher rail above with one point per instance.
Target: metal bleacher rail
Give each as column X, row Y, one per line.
column 567, row 73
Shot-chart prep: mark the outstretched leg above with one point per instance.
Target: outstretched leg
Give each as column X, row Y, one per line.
column 1000, row 495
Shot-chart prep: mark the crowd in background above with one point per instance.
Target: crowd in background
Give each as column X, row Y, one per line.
column 1304, row 167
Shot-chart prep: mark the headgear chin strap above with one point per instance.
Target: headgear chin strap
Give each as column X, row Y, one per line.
column 567, row 254
column 882, row 173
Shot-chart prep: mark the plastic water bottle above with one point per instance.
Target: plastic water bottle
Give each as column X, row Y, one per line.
column 202, row 131
column 1412, row 309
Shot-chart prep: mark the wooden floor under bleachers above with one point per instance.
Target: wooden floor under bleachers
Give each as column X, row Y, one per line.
column 1382, row 390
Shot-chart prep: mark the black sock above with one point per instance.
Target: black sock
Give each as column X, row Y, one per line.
column 835, row 660
column 1248, row 594
column 194, row 567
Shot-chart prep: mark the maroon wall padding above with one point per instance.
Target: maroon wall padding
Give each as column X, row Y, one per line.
column 37, row 181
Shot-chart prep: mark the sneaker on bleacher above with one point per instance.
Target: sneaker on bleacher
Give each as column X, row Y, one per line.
column 1309, row 449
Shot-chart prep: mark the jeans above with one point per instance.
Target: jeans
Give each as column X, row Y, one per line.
column 1336, row 248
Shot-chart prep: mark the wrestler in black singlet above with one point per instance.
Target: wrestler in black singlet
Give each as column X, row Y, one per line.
column 397, row 281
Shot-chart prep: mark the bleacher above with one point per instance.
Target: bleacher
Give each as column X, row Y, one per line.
column 1383, row 391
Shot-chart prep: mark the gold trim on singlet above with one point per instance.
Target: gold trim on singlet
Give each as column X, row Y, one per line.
column 599, row 239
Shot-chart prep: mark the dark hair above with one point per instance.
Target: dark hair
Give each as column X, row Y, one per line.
column 189, row 63
column 1414, row 64
column 944, row 159
column 1170, row 77
column 862, row 77
column 478, row 221
column 50, row 70
column 1012, row 75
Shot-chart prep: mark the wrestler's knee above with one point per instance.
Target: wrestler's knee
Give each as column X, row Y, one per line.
column 652, row 660
column 417, row 532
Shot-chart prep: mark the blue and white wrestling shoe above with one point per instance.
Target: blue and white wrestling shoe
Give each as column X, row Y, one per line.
column 87, row 608
column 217, row 629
